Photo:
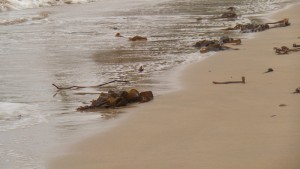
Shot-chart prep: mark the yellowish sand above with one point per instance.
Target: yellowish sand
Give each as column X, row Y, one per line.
column 207, row 126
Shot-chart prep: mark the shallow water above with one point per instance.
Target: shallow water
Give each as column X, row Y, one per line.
column 75, row 45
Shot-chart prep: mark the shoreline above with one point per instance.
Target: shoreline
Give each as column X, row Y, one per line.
column 212, row 126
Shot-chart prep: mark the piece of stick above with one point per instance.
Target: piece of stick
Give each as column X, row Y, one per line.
column 295, row 45
column 78, row 87
column 283, row 21
column 269, row 70
column 229, row 82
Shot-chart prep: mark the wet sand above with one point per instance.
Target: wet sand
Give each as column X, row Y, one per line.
column 211, row 126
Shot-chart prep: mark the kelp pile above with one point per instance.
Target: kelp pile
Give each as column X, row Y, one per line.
column 114, row 99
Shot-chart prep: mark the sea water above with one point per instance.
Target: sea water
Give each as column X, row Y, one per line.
column 72, row 43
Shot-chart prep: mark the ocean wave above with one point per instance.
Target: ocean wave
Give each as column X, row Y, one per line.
column 40, row 16
column 7, row 5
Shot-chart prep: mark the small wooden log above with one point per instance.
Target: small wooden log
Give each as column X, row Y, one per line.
column 295, row 45
column 230, row 82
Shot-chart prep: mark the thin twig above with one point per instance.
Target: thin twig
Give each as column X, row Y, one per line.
column 78, row 87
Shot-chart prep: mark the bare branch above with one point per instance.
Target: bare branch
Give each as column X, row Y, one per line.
column 78, row 87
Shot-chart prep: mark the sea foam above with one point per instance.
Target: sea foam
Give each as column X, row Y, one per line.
column 15, row 115
column 6, row 5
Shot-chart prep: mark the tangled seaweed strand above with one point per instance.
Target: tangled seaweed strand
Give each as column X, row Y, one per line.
column 216, row 45
column 285, row 50
column 252, row 27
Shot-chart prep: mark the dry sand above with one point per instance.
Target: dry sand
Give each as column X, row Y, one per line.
column 207, row 126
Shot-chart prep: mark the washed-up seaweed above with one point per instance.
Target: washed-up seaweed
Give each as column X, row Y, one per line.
column 283, row 50
column 114, row 99
column 216, row 45
column 253, row 27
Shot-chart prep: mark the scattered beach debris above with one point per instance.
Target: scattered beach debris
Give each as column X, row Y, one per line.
column 226, row 39
column 230, row 14
column 204, row 43
column 252, row 27
column 269, row 70
column 297, row 90
column 78, row 87
column 114, row 28
column 295, row 45
column 138, row 38
column 216, row 45
column 118, row 35
column 230, row 82
column 114, row 99
column 282, row 105
column 141, row 69
column 285, row 50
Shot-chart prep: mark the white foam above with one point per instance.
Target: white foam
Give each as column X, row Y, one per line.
column 19, row 115
column 6, row 5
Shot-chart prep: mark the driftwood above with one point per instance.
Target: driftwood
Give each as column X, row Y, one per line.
column 252, row 27
column 138, row 38
column 281, row 23
column 78, row 87
column 285, row 50
column 295, row 45
column 230, row 82
column 134, row 38
column 282, row 105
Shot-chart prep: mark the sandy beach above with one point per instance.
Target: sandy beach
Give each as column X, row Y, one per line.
column 208, row 126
